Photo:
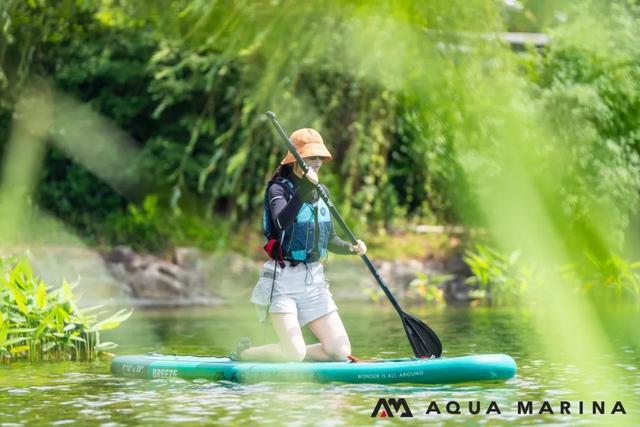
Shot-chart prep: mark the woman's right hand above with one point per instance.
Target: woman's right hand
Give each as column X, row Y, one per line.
column 359, row 248
column 311, row 176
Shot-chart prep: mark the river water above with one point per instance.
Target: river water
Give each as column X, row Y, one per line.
column 86, row 394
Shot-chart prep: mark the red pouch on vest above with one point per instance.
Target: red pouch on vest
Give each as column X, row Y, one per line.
column 272, row 248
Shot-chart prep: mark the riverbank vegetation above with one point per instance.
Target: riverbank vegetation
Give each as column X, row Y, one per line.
column 508, row 278
column 433, row 120
column 41, row 322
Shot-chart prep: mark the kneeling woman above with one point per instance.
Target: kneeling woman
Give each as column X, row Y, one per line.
column 292, row 287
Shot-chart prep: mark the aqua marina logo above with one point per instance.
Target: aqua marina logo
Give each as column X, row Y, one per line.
column 391, row 406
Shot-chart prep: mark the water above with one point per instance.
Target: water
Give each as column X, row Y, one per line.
column 86, row 394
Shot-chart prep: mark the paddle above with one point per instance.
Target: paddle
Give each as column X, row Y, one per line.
column 423, row 340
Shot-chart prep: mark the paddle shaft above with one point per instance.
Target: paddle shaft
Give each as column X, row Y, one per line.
column 336, row 215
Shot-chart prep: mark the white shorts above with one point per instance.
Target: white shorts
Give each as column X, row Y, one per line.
column 301, row 290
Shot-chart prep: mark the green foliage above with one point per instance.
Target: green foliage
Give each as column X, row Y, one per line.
column 141, row 225
column 532, row 16
column 426, row 288
column 588, row 84
column 75, row 195
column 5, row 128
column 502, row 276
column 38, row 322
column 611, row 276
column 420, row 117
column 150, row 226
column 195, row 105
column 508, row 279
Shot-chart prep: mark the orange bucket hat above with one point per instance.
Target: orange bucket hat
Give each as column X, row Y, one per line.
column 308, row 143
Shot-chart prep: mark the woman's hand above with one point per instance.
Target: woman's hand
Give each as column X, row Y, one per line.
column 312, row 176
column 359, row 248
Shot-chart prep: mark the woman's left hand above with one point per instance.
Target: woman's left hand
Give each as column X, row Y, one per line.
column 360, row 248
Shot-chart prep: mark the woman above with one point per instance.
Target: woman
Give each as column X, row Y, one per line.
column 292, row 287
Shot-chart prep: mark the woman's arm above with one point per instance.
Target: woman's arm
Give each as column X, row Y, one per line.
column 284, row 211
column 337, row 245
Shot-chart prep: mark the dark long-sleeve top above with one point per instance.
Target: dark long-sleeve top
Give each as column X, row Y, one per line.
column 284, row 212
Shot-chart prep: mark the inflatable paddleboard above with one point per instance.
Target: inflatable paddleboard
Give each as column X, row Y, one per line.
column 482, row 367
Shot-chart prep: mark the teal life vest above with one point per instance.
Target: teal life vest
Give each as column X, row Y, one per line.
column 307, row 238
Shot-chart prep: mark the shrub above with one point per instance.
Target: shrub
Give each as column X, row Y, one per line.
column 38, row 322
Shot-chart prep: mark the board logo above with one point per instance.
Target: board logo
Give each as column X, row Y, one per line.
column 389, row 407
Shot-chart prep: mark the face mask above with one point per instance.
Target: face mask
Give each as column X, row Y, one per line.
column 314, row 163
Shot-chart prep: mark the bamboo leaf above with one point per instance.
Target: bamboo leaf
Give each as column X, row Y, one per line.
column 19, row 349
column 86, row 310
column 111, row 322
column 41, row 296
column 22, row 271
column 18, row 295
column 21, row 330
column 48, row 346
column 44, row 323
column 62, row 317
column 13, row 341
column 65, row 293
column 106, row 346
column 17, row 318
column 4, row 330
column 237, row 160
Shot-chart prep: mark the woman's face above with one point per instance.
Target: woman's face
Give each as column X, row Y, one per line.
column 312, row 162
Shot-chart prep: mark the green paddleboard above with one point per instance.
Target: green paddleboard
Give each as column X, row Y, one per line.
column 482, row 367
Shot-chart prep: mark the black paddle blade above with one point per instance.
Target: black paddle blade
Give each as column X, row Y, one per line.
column 423, row 340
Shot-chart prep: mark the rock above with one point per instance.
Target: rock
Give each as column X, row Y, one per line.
column 231, row 275
column 192, row 277
column 399, row 274
column 149, row 280
column 457, row 291
column 455, row 265
column 119, row 254
column 350, row 279
column 186, row 257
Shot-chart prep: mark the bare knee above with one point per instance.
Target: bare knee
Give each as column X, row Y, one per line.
column 294, row 353
column 338, row 351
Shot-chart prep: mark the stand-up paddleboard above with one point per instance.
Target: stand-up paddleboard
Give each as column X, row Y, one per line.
column 482, row 367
